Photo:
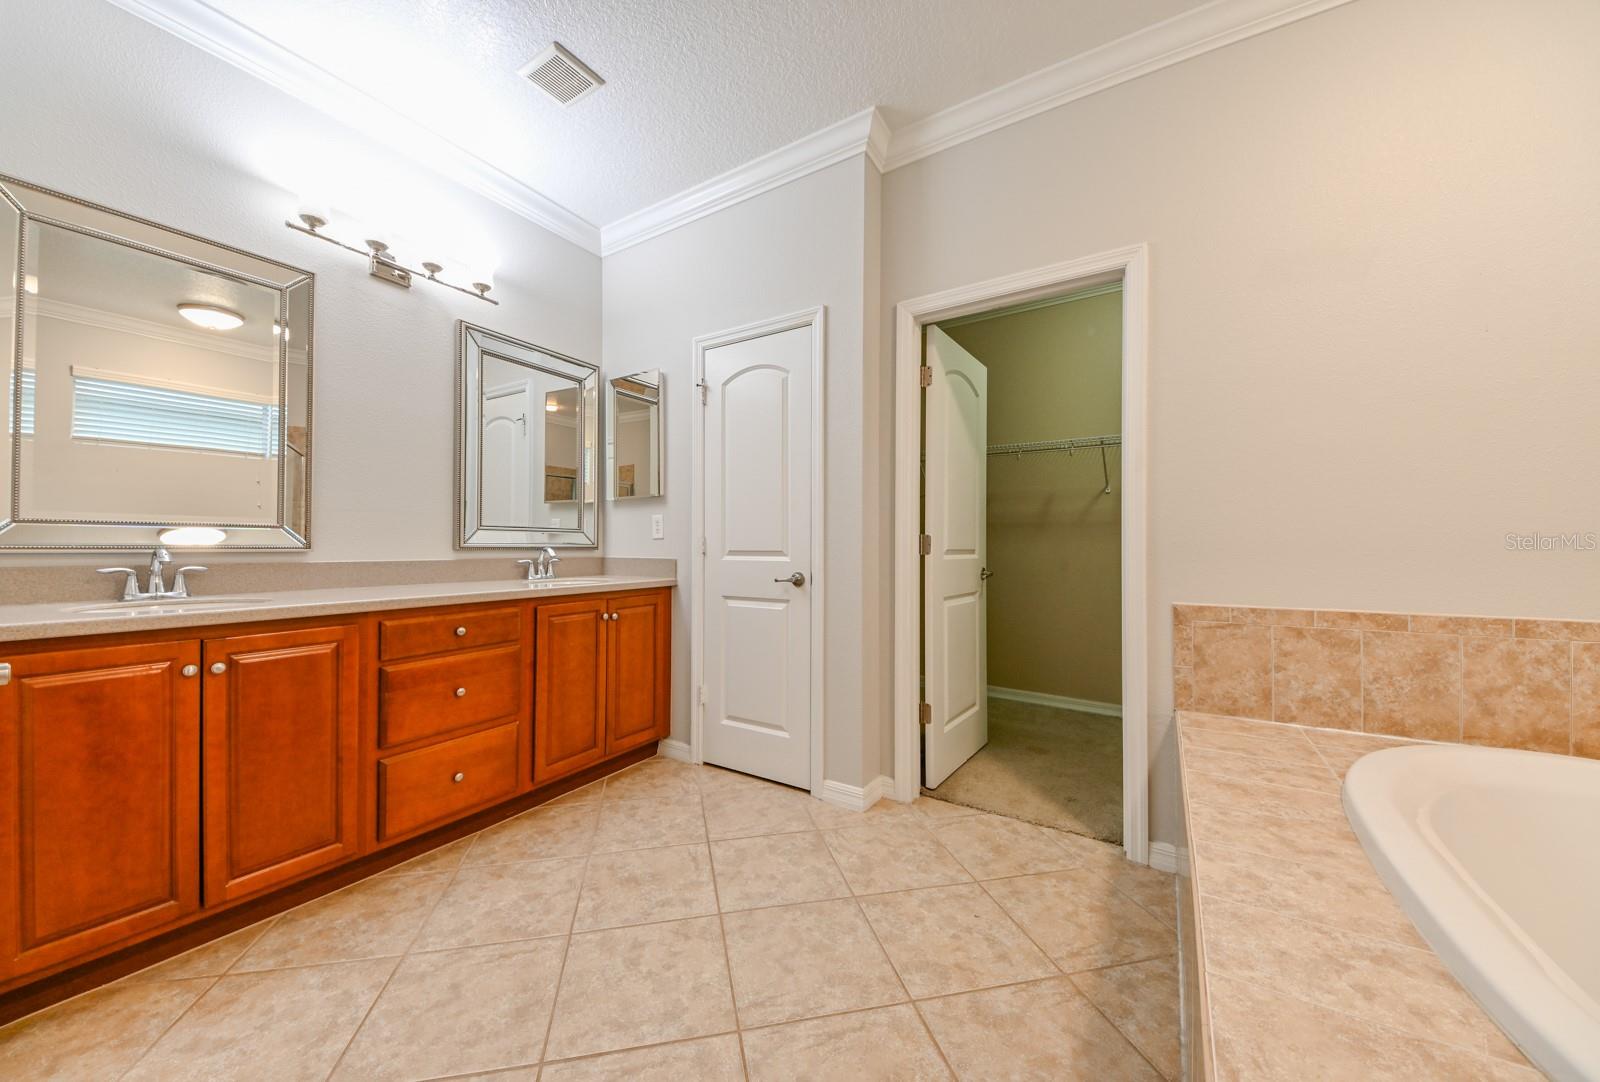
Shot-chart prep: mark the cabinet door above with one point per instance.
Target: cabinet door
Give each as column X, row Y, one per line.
column 639, row 653
column 569, row 714
column 282, row 732
column 99, row 799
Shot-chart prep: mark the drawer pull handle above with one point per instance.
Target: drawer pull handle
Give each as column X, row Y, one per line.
column 459, row 777
column 191, row 670
column 219, row 667
column 460, row 631
column 460, row 692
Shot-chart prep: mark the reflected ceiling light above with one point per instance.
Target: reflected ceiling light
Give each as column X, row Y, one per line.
column 189, row 536
column 552, row 406
column 210, row 316
column 30, row 282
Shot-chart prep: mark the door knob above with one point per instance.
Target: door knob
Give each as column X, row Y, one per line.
column 796, row 579
column 985, row 574
column 219, row 667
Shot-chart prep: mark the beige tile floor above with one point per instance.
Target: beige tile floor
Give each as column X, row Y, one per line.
column 677, row 923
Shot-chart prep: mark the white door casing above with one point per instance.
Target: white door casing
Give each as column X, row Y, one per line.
column 955, row 606
column 758, row 573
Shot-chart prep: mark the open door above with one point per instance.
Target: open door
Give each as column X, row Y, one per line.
column 955, row 657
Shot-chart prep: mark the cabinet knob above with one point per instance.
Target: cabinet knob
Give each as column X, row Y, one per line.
column 460, row 631
column 219, row 667
column 459, row 777
column 461, row 692
column 191, row 670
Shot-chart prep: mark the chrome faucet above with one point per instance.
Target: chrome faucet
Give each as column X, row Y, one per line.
column 157, row 588
column 543, row 566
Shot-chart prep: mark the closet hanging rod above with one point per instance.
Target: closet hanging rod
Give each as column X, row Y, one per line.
column 1075, row 444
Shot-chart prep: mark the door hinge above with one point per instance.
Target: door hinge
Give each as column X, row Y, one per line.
column 704, row 390
column 925, row 544
column 5, row 675
column 700, row 694
column 924, row 714
column 925, row 376
column 702, row 546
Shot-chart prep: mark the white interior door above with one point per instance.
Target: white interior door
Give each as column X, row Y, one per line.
column 955, row 655
column 757, row 566
column 506, row 485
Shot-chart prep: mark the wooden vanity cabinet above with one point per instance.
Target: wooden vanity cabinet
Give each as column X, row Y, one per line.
column 151, row 779
column 603, row 679
column 639, row 671
column 100, row 823
column 282, row 757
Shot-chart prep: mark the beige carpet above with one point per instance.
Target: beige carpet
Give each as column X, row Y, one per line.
column 1058, row 768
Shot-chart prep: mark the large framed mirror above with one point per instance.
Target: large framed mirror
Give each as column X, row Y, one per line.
column 153, row 379
column 635, row 437
column 527, row 445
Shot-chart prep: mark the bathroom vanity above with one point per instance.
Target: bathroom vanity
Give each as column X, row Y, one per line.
column 222, row 759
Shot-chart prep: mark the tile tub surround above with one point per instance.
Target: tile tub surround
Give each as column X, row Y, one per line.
column 1307, row 967
column 759, row 933
column 1532, row 684
column 53, row 621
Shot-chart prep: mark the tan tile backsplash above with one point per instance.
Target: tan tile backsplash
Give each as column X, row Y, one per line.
column 1517, row 683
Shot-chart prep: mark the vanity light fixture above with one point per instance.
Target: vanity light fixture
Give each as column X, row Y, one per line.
column 193, row 536
column 210, row 316
column 552, row 406
column 381, row 263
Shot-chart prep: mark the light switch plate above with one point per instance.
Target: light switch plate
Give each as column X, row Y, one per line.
column 658, row 528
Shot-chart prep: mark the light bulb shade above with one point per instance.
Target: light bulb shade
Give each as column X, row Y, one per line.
column 210, row 316
column 193, row 536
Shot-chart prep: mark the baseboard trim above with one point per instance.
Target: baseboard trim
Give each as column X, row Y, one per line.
column 1065, row 702
column 1166, row 857
column 676, row 749
column 856, row 797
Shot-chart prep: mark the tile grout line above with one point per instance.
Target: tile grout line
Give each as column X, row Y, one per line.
column 561, row 969
column 861, row 911
column 404, row 954
column 722, row 932
column 169, row 1027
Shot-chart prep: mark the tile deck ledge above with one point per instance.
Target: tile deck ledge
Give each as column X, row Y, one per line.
column 1305, row 965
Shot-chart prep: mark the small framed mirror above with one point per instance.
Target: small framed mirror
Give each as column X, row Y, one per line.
column 527, row 442
column 635, row 436
column 152, row 380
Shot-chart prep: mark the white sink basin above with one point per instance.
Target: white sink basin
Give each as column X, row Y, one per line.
column 166, row 607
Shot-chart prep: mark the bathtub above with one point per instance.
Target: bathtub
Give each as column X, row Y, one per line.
column 1495, row 855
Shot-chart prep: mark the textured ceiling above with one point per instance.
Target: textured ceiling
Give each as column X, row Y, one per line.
column 693, row 87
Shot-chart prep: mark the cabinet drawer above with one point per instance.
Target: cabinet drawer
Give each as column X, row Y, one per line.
column 413, row 636
column 425, row 698
column 420, row 788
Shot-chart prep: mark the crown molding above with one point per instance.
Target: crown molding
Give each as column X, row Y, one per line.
column 864, row 133
column 1169, row 42
column 228, row 40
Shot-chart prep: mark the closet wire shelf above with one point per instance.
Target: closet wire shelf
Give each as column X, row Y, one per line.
column 1071, row 446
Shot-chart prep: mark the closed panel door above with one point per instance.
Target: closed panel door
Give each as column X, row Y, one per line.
column 638, row 654
column 282, row 732
column 569, row 714
column 99, row 771
column 756, row 587
column 955, row 639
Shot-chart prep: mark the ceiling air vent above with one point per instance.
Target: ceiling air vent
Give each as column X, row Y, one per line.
column 561, row 75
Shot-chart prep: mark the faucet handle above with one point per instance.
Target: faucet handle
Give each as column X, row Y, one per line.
column 130, row 588
column 530, row 566
column 180, row 588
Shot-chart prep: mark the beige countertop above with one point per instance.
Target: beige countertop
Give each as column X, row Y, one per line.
column 49, row 621
column 1308, row 968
